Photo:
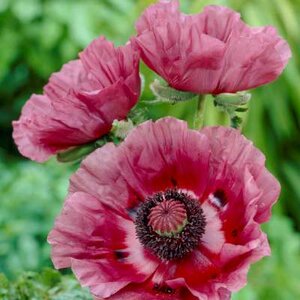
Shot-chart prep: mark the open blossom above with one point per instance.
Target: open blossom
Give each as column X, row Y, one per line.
column 171, row 213
column 80, row 102
column 210, row 52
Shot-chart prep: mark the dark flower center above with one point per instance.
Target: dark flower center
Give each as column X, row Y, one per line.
column 170, row 224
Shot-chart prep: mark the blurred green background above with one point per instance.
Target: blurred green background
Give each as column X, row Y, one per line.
column 36, row 38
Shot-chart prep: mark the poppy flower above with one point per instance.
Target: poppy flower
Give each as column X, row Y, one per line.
column 171, row 213
column 211, row 52
column 80, row 102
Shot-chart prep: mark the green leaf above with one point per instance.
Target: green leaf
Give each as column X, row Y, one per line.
column 75, row 154
column 47, row 285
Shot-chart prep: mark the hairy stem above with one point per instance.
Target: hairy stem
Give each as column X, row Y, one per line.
column 199, row 115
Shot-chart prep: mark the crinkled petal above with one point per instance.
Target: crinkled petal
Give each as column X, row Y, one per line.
column 175, row 47
column 62, row 83
column 108, row 64
column 233, row 155
column 156, row 14
column 253, row 56
column 261, row 62
column 44, row 130
column 99, row 175
column 170, row 156
column 145, row 292
column 99, row 245
column 221, row 22
column 237, row 260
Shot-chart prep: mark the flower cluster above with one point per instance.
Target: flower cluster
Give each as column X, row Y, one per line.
column 170, row 212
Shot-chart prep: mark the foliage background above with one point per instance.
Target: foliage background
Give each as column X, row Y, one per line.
column 36, row 38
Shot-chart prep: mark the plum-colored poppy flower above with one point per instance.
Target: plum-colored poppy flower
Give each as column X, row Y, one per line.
column 171, row 213
column 210, row 52
column 80, row 102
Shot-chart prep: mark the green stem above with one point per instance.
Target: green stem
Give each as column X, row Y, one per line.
column 156, row 101
column 199, row 116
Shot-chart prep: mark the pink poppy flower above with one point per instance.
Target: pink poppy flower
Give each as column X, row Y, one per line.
column 171, row 213
column 80, row 102
column 211, row 52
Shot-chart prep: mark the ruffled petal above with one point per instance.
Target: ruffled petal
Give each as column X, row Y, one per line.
column 99, row 176
column 253, row 56
column 44, row 130
column 199, row 272
column 263, row 60
column 236, row 261
column 99, row 245
column 239, row 168
column 62, row 83
column 156, row 14
column 170, row 156
column 145, row 292
column 220, row 22
column 175, row 47
column 108, row 64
